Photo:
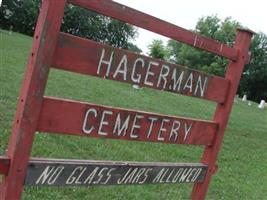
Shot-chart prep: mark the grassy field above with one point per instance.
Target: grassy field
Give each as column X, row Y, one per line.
column 242, row 162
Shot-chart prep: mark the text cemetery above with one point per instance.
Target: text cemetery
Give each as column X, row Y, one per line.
column 121, row 124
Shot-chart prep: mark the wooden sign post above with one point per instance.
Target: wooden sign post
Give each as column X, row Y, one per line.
column 53, row 115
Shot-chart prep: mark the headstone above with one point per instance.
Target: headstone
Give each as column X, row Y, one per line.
column 262, row 104
column 10, row 30
column 244, row 98
column 249, row 103
column 137, row 87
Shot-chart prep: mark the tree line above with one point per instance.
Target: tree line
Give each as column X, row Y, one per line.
column 21, row 16
column 254, row 78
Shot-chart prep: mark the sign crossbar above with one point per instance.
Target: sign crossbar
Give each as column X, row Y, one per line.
column 150, row 23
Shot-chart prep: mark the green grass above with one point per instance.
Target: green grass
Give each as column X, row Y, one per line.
column 242, row 162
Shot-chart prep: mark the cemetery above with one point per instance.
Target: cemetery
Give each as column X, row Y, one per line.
column 165, row 140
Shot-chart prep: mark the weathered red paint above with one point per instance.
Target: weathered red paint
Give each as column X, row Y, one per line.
column 31, row 96
column 83, row 56
column 66, row 116
column 233, row 74
column 4, row 165
column 142, row 20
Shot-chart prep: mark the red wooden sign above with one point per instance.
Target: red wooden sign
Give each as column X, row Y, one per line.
column 47, row 114
column 57, row 116
column 107, row 62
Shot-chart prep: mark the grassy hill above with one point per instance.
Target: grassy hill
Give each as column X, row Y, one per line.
column 242, row 162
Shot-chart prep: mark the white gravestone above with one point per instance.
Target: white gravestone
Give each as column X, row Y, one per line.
column 262, row 104
column 137, row 87
column 244, row 98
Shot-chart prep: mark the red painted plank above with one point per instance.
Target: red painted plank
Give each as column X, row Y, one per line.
column 222, row 114
column 87, row 57
column 148, row 22
column 84, row 119
column 31, row 96
column 4, row 165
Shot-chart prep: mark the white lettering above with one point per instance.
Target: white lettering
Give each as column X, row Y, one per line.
column 146, row 176
column 50, row 175
column 177, row 83
column 187, row 130
column 157, row 178
column 107, row 62
column 177, row 175
column 168, row 179
column 121, row 129
column 100, row 175
column 194, row 178
column 137, row 77
column 72, row 178
column 138, row 175
column 91, row 176
column 162, row 129
column 185, row 174
column 152, row 119
column 189, row 82
column 108, row 176
column 201, row 86
column 174, row 131
column 85, row 129
column 191, row 173
column 123, row 65
column 162, row 76
column 46, row 173
column 150, row 73
column 163, row 176
column 103, row 122
column 136, row 126
column 120, row 181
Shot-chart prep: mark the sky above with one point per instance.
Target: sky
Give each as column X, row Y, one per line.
column 251, row 14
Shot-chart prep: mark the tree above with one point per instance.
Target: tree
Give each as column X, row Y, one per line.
column 19, row 14
column 211, row 27
column 254, row 79
column 81, row 22
column 173, row 50
column 22, row 16
column 157, row 49
column 132, row 47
